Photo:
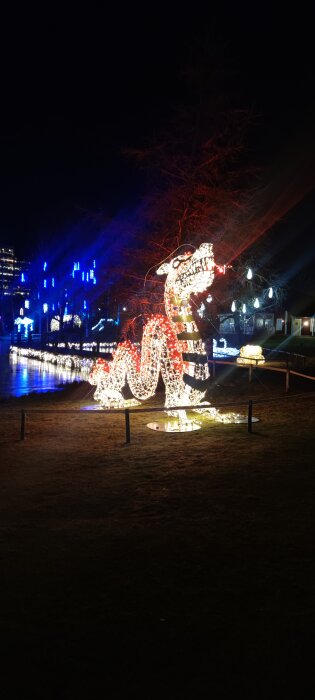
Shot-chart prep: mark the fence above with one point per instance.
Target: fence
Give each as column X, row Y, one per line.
column 284, row 370
column 284, row 356
column 127, row 412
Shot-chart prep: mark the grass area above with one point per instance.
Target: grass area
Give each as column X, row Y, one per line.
column 299, row 351
column 178, row 566
column 302, row 345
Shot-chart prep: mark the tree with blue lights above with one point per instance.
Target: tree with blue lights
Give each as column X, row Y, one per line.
column 62, row 294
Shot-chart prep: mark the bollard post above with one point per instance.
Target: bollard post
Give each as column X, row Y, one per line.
column 287, row 380
column 250, row 373
column 23, row 422
column 127, row 422
column 250, row 415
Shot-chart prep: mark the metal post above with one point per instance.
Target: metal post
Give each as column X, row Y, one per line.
column 213, row 368
column 23, row 422
column 287, row 380
column 127, row 421
column 250, row 373
column 250, row 415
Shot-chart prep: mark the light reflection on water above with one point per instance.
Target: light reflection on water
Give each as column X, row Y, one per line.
column 20, row 376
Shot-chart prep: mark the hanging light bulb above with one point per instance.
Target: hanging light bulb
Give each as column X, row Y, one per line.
column 201, row 310
column 270, row 293
column 233, row 306
column 256, row 303
column 249, row 273
column 244, row 308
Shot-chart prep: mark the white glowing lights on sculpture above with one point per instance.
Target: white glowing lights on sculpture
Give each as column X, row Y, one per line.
column 224, row 351
column 171, row 344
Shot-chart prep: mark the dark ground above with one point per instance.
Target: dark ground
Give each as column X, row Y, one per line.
column 178, row 566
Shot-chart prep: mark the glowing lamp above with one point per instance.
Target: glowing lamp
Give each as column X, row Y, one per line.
column 233, row 306
column 201, row 310
column 249, row 274
column 270, row 293
column 244, row 308
column 256, row 303
column 250, row 355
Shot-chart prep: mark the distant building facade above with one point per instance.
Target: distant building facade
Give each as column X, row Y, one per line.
column 14, row 288
column 303, row 325
column 250, row 324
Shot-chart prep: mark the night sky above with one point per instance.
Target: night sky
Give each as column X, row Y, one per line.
column 78, row 88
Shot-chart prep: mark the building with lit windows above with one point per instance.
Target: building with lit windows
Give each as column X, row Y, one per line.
column 13, row 274
column 14, row 288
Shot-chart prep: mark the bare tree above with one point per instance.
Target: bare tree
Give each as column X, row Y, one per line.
column 197, row 187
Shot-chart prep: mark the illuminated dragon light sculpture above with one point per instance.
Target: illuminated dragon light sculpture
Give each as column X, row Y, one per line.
column 171, row 344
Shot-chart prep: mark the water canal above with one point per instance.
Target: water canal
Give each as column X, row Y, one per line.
column 20, row 376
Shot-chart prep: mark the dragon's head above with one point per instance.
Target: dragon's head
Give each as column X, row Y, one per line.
column 190, row 273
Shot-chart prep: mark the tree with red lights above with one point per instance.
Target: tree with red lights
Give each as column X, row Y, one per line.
column 197, row 190
column 200, row 188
